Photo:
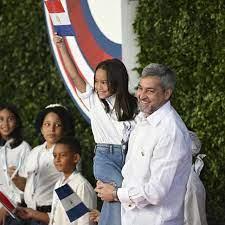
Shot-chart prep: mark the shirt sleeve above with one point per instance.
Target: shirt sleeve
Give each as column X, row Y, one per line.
column 86, row 96
column 171, row 158
column 24, row 160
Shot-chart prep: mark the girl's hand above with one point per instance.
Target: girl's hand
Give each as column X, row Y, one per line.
column 3, row 214
column 11, row 170
column 58, row 40
column 25, row 213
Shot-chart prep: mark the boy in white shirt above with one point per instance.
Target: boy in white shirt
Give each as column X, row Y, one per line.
column 66, row 156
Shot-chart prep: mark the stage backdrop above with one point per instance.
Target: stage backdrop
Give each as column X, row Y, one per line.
column 103, row 29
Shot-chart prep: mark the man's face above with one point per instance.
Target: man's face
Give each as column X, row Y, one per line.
column 151, row 95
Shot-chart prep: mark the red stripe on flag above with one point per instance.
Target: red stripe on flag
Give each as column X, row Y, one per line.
column 54, row 6
column 6, row 202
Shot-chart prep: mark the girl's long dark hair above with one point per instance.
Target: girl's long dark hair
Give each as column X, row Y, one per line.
column 17, row 132
column 117, row 76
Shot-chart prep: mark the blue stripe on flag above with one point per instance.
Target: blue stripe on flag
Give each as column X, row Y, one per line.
column 64, row 30
column 64, row 191
column 77, row 211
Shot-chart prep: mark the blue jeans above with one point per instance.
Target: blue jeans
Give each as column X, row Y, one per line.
column 108, row 163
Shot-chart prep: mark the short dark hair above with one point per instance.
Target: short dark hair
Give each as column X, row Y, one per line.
column 64, row 115
column 17, row 132
column 72, row 143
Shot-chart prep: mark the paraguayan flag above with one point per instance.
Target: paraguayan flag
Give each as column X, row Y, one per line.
column 59, row 18
column 71, row 202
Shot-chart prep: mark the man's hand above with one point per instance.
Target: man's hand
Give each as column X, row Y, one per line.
column 105, row 191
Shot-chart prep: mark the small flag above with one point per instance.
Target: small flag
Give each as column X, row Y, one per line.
column 59, row 18
column 71, row 202
column 8, row 204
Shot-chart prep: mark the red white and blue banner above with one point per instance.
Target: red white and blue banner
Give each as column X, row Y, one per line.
column 101, row 32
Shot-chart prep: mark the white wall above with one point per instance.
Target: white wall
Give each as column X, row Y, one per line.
column 129, row 43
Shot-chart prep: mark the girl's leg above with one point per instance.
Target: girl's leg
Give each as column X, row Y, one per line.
column 108, row 163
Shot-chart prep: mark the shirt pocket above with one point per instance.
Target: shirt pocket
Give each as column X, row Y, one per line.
column 143, row 159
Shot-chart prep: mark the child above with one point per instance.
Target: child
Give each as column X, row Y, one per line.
column 13, row 153
column 53, row 123
column 195, row 197
column 66, row 156
column 112, row 110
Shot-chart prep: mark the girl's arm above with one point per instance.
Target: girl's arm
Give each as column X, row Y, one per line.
column 28, row 213
column 70, row 67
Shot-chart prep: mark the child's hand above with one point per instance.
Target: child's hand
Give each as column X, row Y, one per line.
column 3, row 214
column 25, row 213
column 58, row 40
column 94, row 215
column 11, row 170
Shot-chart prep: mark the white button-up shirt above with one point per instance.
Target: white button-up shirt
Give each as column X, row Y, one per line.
column 156, row 170
column 12, row 157
column 41, row 177
column 105, row 126
column 86, row 193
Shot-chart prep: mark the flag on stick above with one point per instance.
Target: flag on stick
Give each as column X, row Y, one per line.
column 59, row 18
column 8, row 204
column 71, row 202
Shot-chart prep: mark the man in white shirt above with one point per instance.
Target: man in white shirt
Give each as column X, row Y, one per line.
column 158, row 162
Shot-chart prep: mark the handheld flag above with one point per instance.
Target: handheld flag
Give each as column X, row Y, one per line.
column 59, row 18
column 71, row 202
column 8, row 204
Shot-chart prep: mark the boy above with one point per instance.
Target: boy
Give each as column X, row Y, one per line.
column 66, row 156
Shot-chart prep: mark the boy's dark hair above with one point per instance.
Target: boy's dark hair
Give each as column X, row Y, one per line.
column 17, row 132
column 72, row 143
column 64, row 115
column 117, row 76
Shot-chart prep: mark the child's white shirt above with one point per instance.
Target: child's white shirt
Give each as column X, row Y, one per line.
column 12, row 157
column 86, row 193
column 105, row 126
column 41, row 177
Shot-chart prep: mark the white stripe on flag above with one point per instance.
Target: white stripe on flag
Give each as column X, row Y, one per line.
column 60, row 18
column 70, row 201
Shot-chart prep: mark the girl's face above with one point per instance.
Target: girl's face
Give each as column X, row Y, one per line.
column 52, row 129
column 7, row 123
column 101, row 84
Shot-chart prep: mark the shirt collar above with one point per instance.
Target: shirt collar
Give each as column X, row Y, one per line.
column 158, row 115
column 65, row 181
column 48, row 149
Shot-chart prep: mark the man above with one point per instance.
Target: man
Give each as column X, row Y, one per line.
column 158, row 162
